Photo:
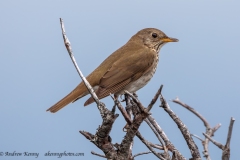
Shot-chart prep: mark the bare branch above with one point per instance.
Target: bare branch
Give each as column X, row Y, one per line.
column 230, row 132
column 96, row 154
column 131, row 132
column 169, row 145
column 102, row 139
column 185, row 132
column 216, row 127
column 226, row 150
column 149, row 146
column 197, row 137
column 155, row 132
column 87, row 135
column 142, row 153
column 157, row 146
column 155, row 98
column 209, row 131
column 206, row 124
column 69, row 49
column 219, row 145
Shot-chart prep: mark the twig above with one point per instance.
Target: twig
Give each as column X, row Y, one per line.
column 197, row 137
column 167, row 142
column 185, row 132
column 226, row 148
column 226, row 151
column 206, row 124
column 209, row 131
column 230, row 132
column 159, row 138
column 219, row 145
column 148, row 146
column 155, row 132
column 96, row 154
column 141, row 153
column 155, row 98
column 101, row 139
column 158, row 129
column 157, row 146
column 216, row 127
column 87, row 135
column 69, row 49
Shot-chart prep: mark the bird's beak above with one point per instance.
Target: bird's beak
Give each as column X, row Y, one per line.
column 169, row 39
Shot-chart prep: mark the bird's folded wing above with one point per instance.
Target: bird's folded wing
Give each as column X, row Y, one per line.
column 123, row 72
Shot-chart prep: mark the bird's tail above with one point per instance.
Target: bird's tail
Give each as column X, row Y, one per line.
column 77, row 93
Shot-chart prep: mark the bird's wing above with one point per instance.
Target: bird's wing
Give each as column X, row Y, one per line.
column 122, row 72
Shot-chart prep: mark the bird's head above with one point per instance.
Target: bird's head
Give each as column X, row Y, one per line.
column 153, row 38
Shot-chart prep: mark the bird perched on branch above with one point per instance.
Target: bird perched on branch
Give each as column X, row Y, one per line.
column 128, row 68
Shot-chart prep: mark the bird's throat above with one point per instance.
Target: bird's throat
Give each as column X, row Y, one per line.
column 158, row 47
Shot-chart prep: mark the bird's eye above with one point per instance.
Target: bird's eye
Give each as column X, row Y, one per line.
column 154, row 35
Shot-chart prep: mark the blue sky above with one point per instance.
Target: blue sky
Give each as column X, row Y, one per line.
column 202, row 69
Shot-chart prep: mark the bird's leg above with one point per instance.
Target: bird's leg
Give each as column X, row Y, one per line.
column 128, row 105
column 128, row 108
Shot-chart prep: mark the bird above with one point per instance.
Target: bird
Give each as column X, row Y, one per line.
column 128, row 68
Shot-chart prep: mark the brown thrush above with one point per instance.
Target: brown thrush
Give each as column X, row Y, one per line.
column 128, row 68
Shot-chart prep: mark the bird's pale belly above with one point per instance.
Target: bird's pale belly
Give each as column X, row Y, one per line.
column 138, row 84
column 142, row 81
